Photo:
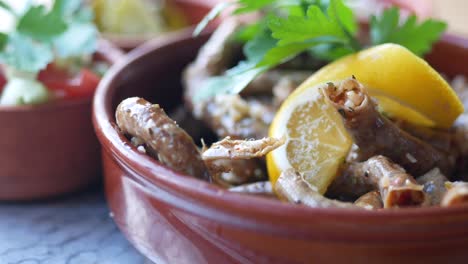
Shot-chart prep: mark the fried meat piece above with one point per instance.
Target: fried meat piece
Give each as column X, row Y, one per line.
column 375, row 134
column 172, row 146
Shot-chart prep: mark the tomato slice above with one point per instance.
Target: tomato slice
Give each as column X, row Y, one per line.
column 64, row 86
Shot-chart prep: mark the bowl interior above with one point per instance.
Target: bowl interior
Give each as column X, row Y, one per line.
column 153, row 71
column 156, row 76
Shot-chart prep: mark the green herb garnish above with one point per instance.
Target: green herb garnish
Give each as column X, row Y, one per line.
column 416, row 37
column 42, row 35
column 326, row 29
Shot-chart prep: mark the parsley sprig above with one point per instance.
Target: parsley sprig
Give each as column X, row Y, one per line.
column 41, row 35
column 416, row 37
column 327, row 29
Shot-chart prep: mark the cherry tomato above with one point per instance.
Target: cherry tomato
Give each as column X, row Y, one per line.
column 64, row 86
column 2, row 81
column 53, row 73
column 83, row 85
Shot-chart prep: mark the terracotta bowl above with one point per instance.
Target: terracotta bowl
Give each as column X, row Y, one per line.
column 50, row 149
column 173, row 218
column 193, row 10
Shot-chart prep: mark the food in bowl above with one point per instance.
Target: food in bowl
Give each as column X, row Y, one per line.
column 353, row 135
column 137, row 17
column 47, row 55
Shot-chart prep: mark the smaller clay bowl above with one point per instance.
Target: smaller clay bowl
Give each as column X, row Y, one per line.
column 174, row 218
column 50, row 149
column 193, row 10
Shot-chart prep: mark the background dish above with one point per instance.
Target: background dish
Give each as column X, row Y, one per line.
column 50, row 149
column 193, row 11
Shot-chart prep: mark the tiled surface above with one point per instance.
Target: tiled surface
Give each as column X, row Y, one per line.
column 75, row 230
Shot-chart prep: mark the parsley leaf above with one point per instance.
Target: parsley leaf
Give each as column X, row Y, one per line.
column 6, row 6
column 228, row 84
column 212, row 15
column 25, row 54
column 3, row 40
column 255, row 49
column 238, row 77
column 247, row 6
column 40, row 24
column 243, row 6
column 84, row 15
column 297, row 34
column 315, row 24
column 66, row 7
column 417, row 38
column 342, row 15
column 79, row 39
column 330, row 51
column 336, row 26
column 280, row 54
column 381, row 28
column 249, row 32
column 42, row 35
column 326, row 29
column 283, row 39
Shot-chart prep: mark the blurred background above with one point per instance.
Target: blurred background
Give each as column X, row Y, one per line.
column 454, row 12
column 129, row 22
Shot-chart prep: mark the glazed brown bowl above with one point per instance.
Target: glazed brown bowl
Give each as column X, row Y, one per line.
column 50, row 149
column 173, row 218
column 193, row 11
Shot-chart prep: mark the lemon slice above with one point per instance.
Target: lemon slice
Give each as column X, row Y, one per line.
column 316, row 140
column 405, row 85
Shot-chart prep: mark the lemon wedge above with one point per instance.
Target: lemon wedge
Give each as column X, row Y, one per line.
column 316, row 140
column 405, row 85
column 128, row 17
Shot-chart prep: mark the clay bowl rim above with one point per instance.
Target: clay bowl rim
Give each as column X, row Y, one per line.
column 156, row 174
column 106, row 51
